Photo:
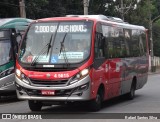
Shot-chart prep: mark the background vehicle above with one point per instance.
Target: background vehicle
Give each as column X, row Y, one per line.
column 52, row 68
column 11, row 30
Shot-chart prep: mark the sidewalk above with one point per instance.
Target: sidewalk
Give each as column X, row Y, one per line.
column 156, row 72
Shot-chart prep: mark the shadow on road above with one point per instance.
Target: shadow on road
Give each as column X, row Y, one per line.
column 8, row 99
column 82, row 107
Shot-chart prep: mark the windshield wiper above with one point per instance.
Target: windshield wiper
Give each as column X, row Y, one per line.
column 42, row 52
column 62, row 43
column 47, row 45
column 62, row 48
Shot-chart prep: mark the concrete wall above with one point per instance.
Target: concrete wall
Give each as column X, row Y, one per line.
column 156, row 61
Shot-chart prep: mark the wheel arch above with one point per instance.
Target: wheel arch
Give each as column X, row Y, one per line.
column 101, row 89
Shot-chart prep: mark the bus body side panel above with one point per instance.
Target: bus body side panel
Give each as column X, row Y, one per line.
column 134, row 67
column 7, row 83
column 98, row 78
column 130, row 70
column 142, row 72
column 144, row 65
column 109, row 75
column 7, row 78
column 113, row 72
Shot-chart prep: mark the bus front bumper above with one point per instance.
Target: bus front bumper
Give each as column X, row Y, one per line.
column 79, row 91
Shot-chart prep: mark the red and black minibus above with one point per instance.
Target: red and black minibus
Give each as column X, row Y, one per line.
column 81, row 58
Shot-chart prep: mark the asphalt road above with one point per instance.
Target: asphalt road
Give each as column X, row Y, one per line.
column 147, row 100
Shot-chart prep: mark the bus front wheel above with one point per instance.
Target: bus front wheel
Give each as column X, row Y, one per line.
column 96, row 103
column 34, row 105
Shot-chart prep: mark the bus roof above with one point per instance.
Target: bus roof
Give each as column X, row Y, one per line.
column 14, row 23
column 101, row 18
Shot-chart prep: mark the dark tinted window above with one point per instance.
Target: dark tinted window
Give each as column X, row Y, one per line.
column 5, row 52
column 4, row 34
column 118, row 42
column 134, row 44
column 99, row 42
column 114, row 42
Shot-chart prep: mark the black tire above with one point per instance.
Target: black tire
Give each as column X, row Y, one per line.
column 95, row 104
column 131, row 94
column 34, row 105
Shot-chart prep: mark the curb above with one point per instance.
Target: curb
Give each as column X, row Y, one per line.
column 153, row 73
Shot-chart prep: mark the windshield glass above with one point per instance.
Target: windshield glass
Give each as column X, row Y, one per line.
column 5, row 53
column 5, row 47
column 56, row 42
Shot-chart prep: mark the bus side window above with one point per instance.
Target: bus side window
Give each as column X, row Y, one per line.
column 142, row 44
column 99, row 42
column 105, row 30
column 127, row 41
column 116, row 44
column 134, row 44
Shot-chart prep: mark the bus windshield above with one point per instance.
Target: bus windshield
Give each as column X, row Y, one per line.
column 56, row 42
column 5, row 53
column 5, row 47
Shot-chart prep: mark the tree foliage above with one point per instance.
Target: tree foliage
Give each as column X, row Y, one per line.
column 36, row 8
column 9, row 8
column 156, row 39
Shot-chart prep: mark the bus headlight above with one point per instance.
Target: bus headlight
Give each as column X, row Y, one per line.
column 21, row 76
column 84, row 72
column 79, row 76
column 18, row 73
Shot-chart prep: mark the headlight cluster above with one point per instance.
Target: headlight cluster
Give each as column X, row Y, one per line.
column 79, row 76
column 21, row 76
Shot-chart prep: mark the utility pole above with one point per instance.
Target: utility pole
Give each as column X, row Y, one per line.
column 151, row 21
column 151, row 35
column 122, row 10
column 86, row 5
column 22, row 8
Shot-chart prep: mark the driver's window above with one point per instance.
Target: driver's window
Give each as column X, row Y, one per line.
column 99, row 42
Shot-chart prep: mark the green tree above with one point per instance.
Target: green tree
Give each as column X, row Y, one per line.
column 36, row 8
column 9, row 8
column 156, row 39
column 74, row 7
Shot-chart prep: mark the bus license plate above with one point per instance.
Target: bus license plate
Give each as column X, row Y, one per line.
column 48, row 92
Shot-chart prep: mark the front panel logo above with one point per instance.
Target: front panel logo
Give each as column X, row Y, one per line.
column 48, row 75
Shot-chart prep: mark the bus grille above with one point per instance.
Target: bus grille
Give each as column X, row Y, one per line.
column 44, row 82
